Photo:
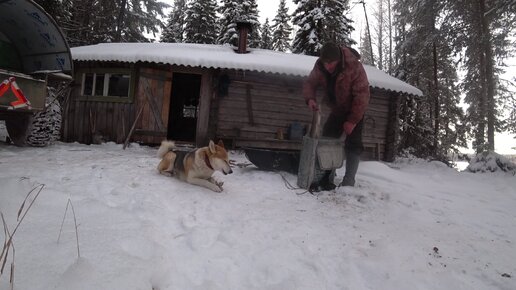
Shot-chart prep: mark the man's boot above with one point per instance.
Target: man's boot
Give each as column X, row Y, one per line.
column 352, row 160
column 326, row 182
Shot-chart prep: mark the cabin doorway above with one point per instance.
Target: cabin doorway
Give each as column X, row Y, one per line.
column 184, row 107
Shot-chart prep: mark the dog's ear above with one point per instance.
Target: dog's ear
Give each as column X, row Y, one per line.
column 221, row 144
column 212, row 147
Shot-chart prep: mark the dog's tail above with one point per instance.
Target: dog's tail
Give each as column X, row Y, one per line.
column 165, row 147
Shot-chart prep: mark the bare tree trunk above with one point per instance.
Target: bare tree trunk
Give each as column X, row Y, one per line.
column 380, row 34
column 390, row 37
column 437, row 116
column 482, row 102
column 120, row 20
column 368, row 33
column 489, row 76
column 483, row 78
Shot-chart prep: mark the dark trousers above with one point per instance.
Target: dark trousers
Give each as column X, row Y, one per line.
column 333, row 128
column 353, row 147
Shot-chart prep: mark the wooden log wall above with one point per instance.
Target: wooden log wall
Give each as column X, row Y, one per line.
column 92, row 121
column 113, row 120
column 258, row 105
column 376, row 124
column 393, row 127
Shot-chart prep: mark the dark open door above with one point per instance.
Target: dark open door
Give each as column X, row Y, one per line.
column 184, row 107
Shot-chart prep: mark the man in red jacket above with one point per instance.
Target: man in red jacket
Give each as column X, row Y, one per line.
column 339, row 72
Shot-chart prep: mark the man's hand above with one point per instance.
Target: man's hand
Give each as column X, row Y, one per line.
column 348, row 127
column 313, row 105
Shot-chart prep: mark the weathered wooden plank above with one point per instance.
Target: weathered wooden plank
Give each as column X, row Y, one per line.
column 145, row 119
column 259, row 122
column 71, row 120
column 113, row 121
column 157, row 76
column 260, row 94
column 273, row 144
column 79, row 118
column 249, row 102
column 90, row 121
column 267, row 107
column 286, row 89
column 265, row 78
column 159, row 134
column 165, row 106
column 203, row 119
column 132, row 128
column 153, row 103
column 294, row 103
column 100, row 114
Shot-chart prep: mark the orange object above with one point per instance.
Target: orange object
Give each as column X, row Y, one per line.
column 4, row 86
column 21, row 101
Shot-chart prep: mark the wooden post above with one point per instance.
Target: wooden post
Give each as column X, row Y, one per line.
column 132, row 128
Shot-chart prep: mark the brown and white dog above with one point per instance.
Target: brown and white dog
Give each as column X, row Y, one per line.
column 197, row 166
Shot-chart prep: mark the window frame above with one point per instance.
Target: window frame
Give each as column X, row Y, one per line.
column 107, row 72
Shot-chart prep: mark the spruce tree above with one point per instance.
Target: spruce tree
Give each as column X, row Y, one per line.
column 338, row 27
column 320, row 21
column 432, row 125
column 174, row 31
column 136, row 17
column 249, row 14
column 281, row 29
column 201, row 21
column 112, row 21
column 80, row 29
column 266, row 42
column 230, row 13
column 508, row 97
column 479, row 31
column 308, row 16
column 54, row 8
column 365, row 49
column 380, row 31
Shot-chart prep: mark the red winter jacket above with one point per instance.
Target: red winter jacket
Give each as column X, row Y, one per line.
column 351, row 87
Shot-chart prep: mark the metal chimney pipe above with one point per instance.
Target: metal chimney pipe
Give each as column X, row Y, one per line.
column 243, row 28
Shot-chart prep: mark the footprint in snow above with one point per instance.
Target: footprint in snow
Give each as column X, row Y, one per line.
column 203, row 238
column 188, row 221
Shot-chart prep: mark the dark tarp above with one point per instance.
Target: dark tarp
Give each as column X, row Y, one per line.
column 35, row 36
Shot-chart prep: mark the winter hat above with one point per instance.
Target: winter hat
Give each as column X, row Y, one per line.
column 330, row 51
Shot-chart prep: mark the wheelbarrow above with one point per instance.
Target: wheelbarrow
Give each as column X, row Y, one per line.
column 274, row 160
column 318, row 154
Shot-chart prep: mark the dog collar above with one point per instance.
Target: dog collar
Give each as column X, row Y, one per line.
column 207, row 161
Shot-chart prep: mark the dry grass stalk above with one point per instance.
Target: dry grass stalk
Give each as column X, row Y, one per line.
column 76, row 227
column 8, row 240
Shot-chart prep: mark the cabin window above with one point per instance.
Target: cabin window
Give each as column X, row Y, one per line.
column 111, row 85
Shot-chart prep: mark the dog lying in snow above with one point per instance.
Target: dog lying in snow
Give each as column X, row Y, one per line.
column 197, row 166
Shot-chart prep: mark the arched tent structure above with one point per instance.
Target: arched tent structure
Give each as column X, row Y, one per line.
column 30, row 40
column 34, row 55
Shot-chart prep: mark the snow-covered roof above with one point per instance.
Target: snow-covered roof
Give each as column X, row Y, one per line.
column 222, row 56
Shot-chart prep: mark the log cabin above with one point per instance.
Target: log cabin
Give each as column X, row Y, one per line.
column 196, row 92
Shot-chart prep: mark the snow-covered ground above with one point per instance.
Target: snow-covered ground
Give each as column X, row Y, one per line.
column 408, row 225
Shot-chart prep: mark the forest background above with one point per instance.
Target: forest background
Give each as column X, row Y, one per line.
column 460, row 53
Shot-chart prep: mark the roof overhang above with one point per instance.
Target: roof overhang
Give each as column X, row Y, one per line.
column 38, row 40
column 224, row 57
